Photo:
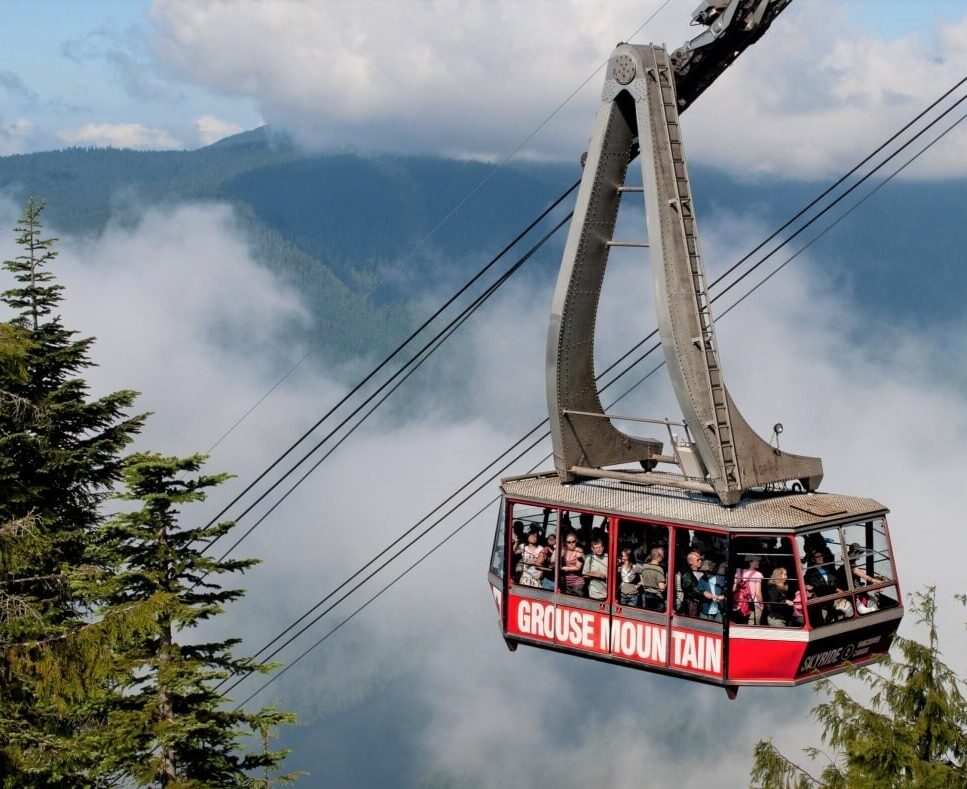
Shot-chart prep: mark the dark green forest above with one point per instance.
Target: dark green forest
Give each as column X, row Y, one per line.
column 351, row 233
column 99, row 684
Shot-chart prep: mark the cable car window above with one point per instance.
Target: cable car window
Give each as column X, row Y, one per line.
column 841, row 562
column 642, row 566
column 826, row 586
column 584, row 525
column 700, row 574
column 497, row 566
column 584, row 564
column 870, row 566
column 747, row 584
column 765, row 588
column 870, row 538
column 782, row 598
column 534, row 539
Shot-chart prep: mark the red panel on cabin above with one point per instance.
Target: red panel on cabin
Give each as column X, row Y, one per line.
column 757, row 659
column 573, row 628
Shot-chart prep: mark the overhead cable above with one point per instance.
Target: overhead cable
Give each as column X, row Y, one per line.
column 369, row 376
column 537, row 427
column 784, row 242
column 507, row 158
column 729, row 309
column 414, row 363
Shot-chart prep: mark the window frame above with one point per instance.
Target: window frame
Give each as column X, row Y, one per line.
column 794, row 573
column 623, row 521
column 852, row 591
column 609, row 521
column 498, row 551
column 673, row 571
column 512, row 558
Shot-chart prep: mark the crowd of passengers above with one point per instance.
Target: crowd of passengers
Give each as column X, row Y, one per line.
column 764, row 590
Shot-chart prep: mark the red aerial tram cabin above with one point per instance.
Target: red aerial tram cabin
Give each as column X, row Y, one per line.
column 733, row 570
column 808, row 535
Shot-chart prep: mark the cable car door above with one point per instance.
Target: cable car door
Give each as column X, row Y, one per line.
column 497, row 572
column 531, row 613
column 699, row 573
column 640, row 623
column 582, row 597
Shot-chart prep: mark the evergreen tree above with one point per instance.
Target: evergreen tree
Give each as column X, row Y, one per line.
column 60, row 454
column 168, row 725
column 911, row 733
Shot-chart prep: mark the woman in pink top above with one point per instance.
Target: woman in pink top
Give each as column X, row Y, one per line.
column 751, row 579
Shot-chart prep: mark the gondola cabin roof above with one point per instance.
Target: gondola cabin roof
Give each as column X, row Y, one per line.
column 776, row 510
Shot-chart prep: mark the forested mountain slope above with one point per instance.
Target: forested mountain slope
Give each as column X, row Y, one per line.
column 352, row 233
column 359, row 236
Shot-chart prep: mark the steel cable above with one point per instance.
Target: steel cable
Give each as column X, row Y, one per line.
column 605, row 386
column 450, row 301
column 631, row 350
column 369, row 376
column 479, row 512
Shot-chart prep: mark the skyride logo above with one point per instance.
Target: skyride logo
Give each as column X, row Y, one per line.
column 829, row 655
column 590, row 631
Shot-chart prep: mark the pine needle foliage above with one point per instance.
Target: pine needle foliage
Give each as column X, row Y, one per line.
column 59, row 458
column 908, row 732
column 169, row 727
column 60, row 455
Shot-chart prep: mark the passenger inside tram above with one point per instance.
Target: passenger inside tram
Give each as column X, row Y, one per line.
column 595, row 569
column 629, row 579
column 822, row 581
column 547, row 582
column 643, row 582
column 533, row 559
column 572, row 563
column 653, row 584
column 866, row 603
column 778, row 600
column 747, row 592
column 699, row 582
column 712, row 587
column 691, row 597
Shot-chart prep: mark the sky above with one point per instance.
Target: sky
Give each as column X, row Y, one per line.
column 421, row 683
column 458, row 77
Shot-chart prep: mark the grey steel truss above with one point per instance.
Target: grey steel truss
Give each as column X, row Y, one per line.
column 639, row 109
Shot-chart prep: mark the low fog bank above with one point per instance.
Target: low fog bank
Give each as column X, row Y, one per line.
column 420, row 685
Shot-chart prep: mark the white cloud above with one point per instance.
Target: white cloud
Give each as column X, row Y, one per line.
column 120, row 135
column 818, row 96
column 14, row 135
column 127, row 54
column 15, row 87
column 453, row 77
column 184, row 314
column 212, row 129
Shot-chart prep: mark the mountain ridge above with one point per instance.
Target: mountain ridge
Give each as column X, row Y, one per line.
column 366, row 237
